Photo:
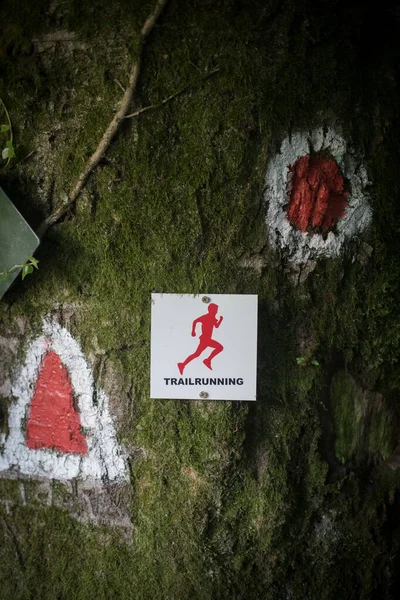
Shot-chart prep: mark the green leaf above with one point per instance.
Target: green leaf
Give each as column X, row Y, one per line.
column 27, row 269
column 11, row 151
column 315, row 362
column 300, row 360
column 5, row 153
column 4, row 128
column 33, row 261
column 3, row 275
column 64, row 196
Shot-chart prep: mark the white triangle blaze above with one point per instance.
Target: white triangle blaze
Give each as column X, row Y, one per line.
column 95, row 453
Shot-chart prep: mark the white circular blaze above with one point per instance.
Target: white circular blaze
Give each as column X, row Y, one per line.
column 303, row 246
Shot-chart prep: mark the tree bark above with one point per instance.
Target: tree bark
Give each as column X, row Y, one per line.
column 229, row 189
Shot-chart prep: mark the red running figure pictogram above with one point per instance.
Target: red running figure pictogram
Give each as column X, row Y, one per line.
column 208, row 322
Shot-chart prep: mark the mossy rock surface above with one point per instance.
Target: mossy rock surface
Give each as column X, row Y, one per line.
column 226, row 500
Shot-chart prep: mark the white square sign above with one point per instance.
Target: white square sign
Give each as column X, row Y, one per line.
column 204, row 346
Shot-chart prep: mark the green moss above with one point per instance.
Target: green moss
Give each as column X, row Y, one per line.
column 347, row 411
column 362, row 422
column 228, row 500
column 382, row 433
column 10, row 490
column 4, row 405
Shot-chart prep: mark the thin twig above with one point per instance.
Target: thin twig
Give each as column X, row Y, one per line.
column 119, row 84
column 140, row 111
column 113, row 126
column 25, row 158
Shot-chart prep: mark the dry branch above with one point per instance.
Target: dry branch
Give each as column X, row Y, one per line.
column 112, row 129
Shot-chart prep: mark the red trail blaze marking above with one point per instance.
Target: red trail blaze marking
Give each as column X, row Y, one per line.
column 53, row 421
column 317, row 194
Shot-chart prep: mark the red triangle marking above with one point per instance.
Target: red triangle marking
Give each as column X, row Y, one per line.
column 53, row 421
